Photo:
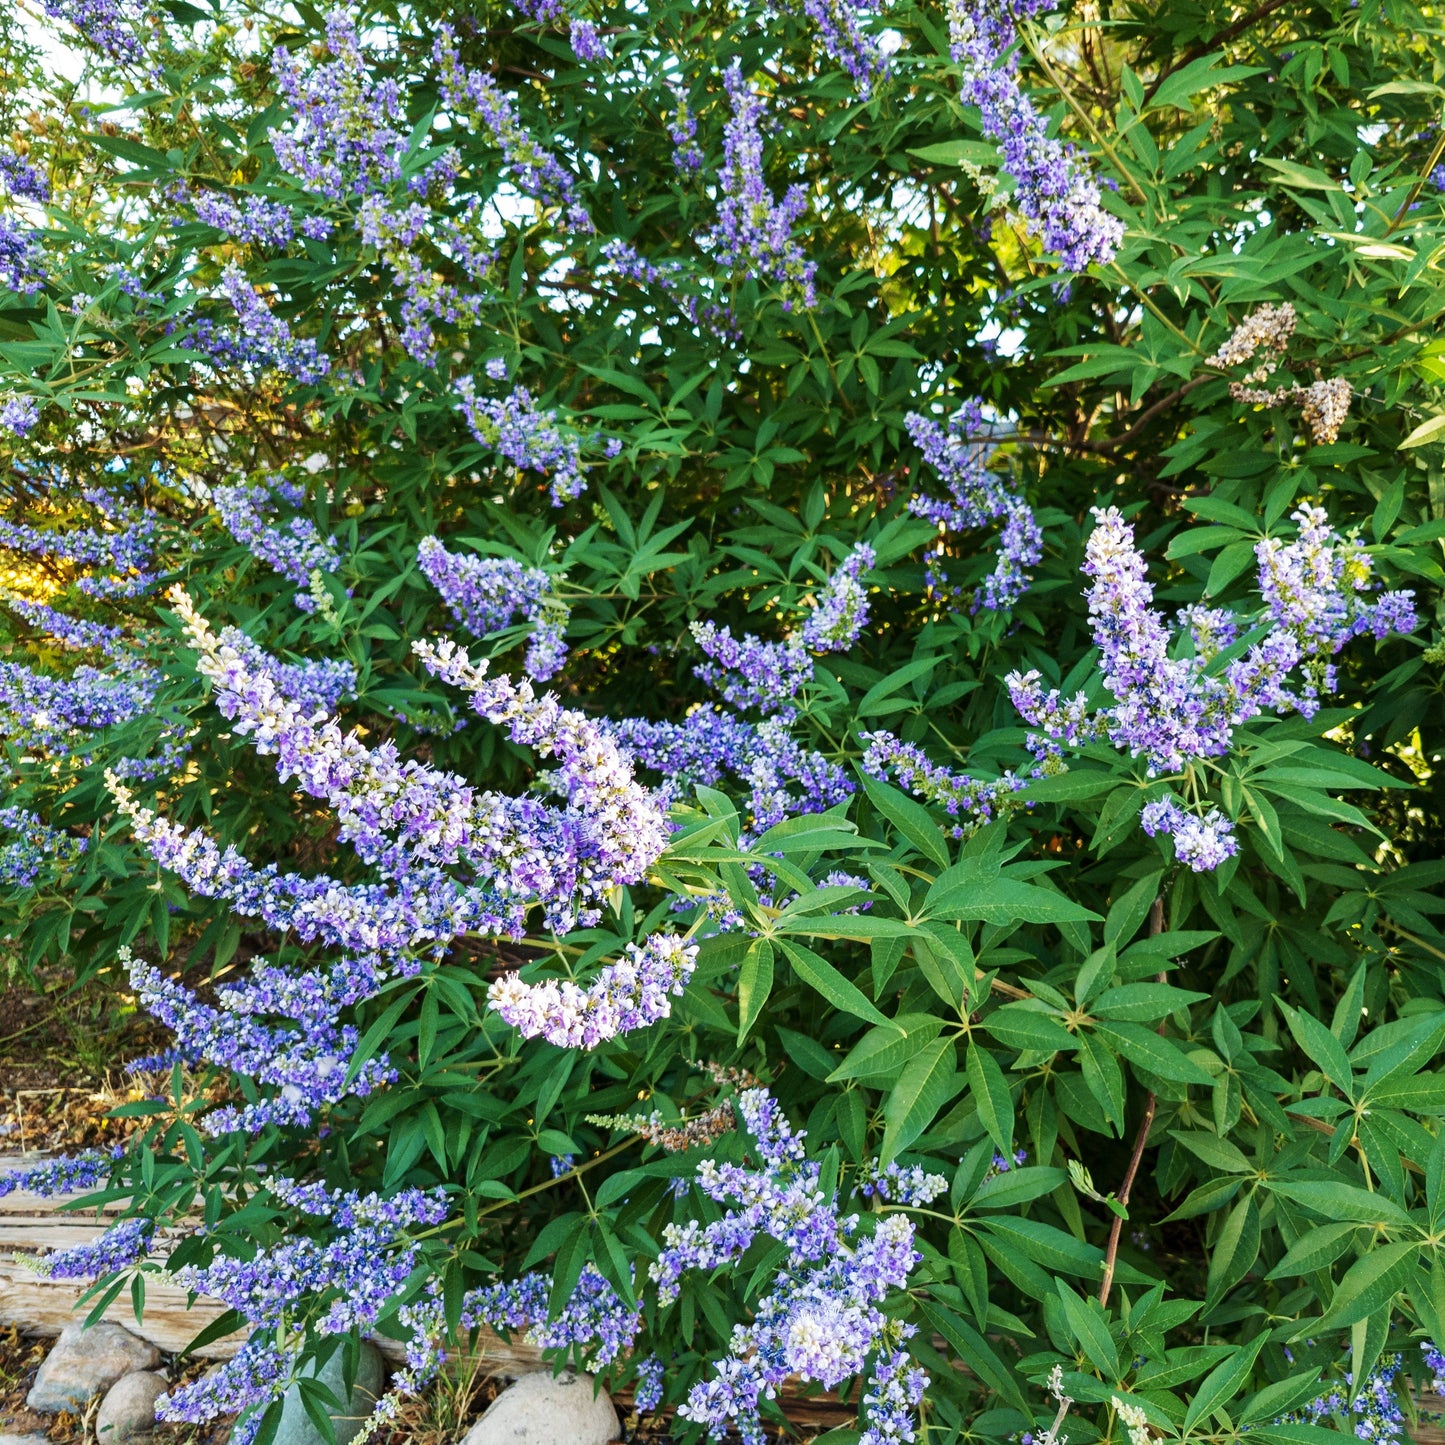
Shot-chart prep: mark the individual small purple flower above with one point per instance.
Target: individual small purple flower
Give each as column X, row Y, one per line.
column 18, row 415
column 587, row 44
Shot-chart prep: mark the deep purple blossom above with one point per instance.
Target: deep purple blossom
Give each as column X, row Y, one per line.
column 109, row 25
column 22, row 180
column 1174, row 711
column 34, row 848
column 532, row 168
column 293, row 546
column 21, row 257
column 973, row 800
column 259, row 340
column 253, row 219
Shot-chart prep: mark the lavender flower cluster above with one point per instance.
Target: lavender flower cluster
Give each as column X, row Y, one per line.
column 821, row 1316
column 1053, row 188
column 109, row 25
column 753, row 236
column 59, row 715
column 782, row 776
column 74, row 633
column 303, row 1069
column 21, row 257
column 259, row 340
column 127, row 553
column 1177, row 711
column 836, row 25
column 626, row 995
column 349, row 132
column 767, row 676
column 485, row 595
column 36, row 848
column 294, row 547
column 533, row 169
column 363, row 1262
column 252, row 221
column 122, row 1245
column 530, row 439
column 977, row 496
column 19, row 415
column 978, row 800
column 70, row 1174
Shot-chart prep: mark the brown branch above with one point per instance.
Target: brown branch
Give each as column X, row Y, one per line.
column 1141, row 1138
column 1229, row 33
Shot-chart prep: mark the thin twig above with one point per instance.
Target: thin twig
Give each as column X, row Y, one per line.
column 1111, row 1253
column 1222, row 38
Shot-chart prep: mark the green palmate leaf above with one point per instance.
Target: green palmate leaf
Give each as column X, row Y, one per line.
column 1149, row 1051
column 1339, row 1200
column 911, row 819
column 883, row 1050
column 926, row 1083
column 1322, row 1047
column 821, row 975
column 1029, row 1026
column 990, row 1092
column 1224, row 1382
column 975, row 889
column 1372, row 1283
column 1091, row 1330
column 1317, row 1249
column 1216, row 1152
column 755, row 983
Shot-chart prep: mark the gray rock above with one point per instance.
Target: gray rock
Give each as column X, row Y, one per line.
column 128, row 1411
column 86, row 1362
column 296, row 1427
column 541, row 1410
column 33, row 1439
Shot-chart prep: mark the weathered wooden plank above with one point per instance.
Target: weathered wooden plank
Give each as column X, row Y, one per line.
column 29, row 1232
column 40, row 1306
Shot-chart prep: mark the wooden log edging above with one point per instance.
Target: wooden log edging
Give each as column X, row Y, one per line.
column 31, row 1224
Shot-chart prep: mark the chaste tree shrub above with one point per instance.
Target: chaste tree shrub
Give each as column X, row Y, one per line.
column 758, row 686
